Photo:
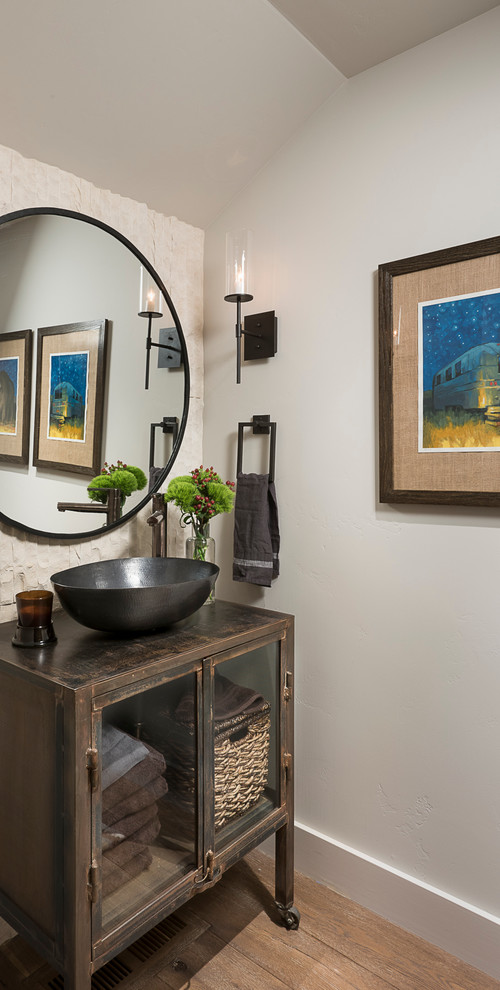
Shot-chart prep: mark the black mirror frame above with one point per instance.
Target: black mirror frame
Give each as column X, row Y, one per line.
column 102, row 530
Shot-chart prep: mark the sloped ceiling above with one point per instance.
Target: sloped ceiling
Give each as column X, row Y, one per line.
column 358, row 34
column 178, row 103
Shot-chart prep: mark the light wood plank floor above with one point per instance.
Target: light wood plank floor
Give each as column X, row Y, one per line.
column 338, row 946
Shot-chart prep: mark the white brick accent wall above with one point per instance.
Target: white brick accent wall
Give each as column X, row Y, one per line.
column 175, row 249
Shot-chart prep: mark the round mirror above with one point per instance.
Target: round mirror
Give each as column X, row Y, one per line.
column 90, row 372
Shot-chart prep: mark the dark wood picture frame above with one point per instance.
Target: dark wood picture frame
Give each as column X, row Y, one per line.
column 408, row 474
column 16, row 346
column 87, row 342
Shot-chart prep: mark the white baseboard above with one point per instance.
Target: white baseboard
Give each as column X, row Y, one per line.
column 455, row 926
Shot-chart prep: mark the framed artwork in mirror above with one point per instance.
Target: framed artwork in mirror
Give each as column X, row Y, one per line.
column 15, row 395
column 439, row 376
column 69, row 399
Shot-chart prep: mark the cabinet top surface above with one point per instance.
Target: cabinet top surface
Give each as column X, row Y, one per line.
column 83, row 657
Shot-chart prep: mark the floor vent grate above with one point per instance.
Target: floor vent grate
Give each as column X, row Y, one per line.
column 113, row 973
column 155, row 939
column 109, row 976
column 145, row 958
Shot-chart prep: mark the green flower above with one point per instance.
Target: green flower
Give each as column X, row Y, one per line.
column 102, row 482
column 181, row 491
column 200, row 496
column 182, row 477
column 125, row 481
column 222, row 496
column 139, row 476
column 126, row 478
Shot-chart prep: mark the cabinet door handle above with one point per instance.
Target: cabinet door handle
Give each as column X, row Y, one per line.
column 209, row 869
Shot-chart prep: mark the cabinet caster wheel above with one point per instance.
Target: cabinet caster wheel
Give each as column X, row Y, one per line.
column 290, row 918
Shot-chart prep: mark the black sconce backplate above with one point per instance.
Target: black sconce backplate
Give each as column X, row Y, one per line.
column 169, row 352
column 261, row 335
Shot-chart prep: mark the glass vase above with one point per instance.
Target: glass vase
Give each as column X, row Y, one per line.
column 202, row 547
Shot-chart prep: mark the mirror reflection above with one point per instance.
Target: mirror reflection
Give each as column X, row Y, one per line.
column 72, row 372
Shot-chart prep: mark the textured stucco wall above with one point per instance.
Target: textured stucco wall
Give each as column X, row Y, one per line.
column 175, row 249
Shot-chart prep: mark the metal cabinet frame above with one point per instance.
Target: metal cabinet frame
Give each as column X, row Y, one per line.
column 51, row 701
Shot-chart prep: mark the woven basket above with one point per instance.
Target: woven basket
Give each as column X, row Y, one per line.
column 240, row 768
column 241, row 760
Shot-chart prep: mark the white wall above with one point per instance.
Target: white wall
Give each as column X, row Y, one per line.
column 175, row 250
column 398, row 672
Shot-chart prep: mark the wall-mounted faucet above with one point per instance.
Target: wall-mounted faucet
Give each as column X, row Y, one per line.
column 112, row 508
column 158, row 522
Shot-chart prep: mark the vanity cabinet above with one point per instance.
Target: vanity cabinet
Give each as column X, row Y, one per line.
column 134, row 771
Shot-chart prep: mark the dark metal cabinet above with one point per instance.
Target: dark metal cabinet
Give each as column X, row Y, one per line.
column 135, row 771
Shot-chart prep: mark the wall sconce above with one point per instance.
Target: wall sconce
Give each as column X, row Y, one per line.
column 150, row 303
column 260, row 330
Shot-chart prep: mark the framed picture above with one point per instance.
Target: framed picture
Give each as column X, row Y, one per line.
column 15, row 395
column 439, row 376
column 70, row 383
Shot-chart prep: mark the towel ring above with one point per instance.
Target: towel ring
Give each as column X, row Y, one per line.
column 258, row 425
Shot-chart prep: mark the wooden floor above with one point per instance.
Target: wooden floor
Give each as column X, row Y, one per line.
column 338, row 946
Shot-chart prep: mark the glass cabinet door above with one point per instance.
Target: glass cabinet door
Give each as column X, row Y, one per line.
column 145, row 826
column 246, row 741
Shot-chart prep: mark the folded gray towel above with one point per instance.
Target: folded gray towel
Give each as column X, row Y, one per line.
column 139, row 776
column 229, row 700
column 130, row 801
column 125, row 861
column 131, row 823
column 120, row 752
column 256, row 530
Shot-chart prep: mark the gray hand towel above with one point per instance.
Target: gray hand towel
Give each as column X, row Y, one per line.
column 155, row 474
column 256, row 530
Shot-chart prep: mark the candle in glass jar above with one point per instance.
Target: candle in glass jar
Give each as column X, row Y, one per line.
column 34, row 608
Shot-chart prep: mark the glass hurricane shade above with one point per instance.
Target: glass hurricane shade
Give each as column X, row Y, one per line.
column 239, row 263
column 149, row 295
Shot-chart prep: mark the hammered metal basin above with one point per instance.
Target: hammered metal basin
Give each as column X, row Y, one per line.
column 134, row 594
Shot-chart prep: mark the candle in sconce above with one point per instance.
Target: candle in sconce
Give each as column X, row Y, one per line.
column 239, row 276
column 149, row 295
column 238, row 281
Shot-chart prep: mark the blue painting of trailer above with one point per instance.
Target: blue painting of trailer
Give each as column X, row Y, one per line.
column 9, row 378
column 459, row 372
column 68, row 396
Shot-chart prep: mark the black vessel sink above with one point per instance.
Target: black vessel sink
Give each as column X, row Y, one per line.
column 134, row 594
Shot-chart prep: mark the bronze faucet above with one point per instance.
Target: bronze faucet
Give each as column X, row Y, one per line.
column 158, row 522
column 112, row 507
